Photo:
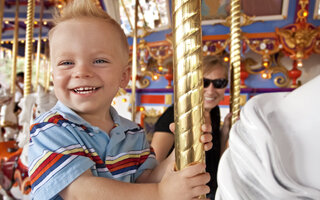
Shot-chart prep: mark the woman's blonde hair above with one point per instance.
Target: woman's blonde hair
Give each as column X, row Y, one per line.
column 212, row 62
column 86, row 8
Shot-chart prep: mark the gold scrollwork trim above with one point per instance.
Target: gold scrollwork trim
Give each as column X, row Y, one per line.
column 144, row 82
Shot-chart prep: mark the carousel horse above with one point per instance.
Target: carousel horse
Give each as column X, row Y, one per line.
column 20, row 186
column 5, row 98
column 9, row 120
column 274, row 148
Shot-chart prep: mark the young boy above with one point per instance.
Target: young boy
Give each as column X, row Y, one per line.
column 82, row 149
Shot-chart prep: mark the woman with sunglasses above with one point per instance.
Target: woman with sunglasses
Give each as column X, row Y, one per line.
column 215, row 82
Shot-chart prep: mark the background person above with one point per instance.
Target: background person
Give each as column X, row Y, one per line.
column 215, row 83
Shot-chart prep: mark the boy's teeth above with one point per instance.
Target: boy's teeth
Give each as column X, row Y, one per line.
column 84, row 90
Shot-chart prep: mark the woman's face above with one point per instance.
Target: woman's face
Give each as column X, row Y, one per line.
column 212, row 95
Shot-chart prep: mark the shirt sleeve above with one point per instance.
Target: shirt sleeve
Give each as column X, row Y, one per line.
column 56, row 159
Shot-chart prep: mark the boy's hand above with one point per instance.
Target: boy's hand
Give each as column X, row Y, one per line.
column 187, row 184
column 206, row 138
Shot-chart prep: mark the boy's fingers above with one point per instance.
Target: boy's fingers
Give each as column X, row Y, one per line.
column 200, row 179
column 200, row 190
column 193, row 170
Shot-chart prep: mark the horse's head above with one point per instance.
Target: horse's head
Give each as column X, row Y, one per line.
column 45, row 101
column 5, row 96
column 9, row 120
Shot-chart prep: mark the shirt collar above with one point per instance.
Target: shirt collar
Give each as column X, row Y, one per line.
column 72, row 116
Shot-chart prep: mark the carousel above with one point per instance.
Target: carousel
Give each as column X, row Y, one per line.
column 269, row 46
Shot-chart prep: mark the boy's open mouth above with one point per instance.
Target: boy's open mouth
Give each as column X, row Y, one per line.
column 85, row 90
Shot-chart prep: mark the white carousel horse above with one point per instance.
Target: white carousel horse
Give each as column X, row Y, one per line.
column 9, row 120
column 5, row 98
column 43, row 101
column 274, row 148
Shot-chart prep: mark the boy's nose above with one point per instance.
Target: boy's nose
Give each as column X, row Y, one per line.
column 83, row 71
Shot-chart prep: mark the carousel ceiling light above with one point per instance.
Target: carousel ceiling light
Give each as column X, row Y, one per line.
column 305, row 14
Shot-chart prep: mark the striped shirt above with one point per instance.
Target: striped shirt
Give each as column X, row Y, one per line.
column 63, row 146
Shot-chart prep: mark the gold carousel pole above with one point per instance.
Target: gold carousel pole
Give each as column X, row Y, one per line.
column 47, row 68
column 235, row 59
column 15, row 50
column 1, row 16
column 134, row 63
column 188, row 82
column 39, row 46
column 28, row 49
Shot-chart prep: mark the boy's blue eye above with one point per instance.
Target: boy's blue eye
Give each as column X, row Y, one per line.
column 100, row 61
column 66, row 63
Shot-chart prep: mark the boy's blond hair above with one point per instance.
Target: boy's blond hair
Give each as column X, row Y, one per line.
column 86, row 8
column 211, row 62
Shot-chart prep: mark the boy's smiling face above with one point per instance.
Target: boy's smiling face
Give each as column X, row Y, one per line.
column 89, row 64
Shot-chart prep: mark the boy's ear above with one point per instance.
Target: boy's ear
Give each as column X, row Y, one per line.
column 126, row 74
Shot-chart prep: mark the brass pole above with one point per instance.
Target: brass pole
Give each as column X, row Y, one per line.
column 15, row 50
column 1, row 16
column 28, row 49
column 47, row 70
column 235, row 59
column 188, row 82
column 39, row 46
column 134, row 63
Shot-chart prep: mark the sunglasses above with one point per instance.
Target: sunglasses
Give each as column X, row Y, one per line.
column 217, row 83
